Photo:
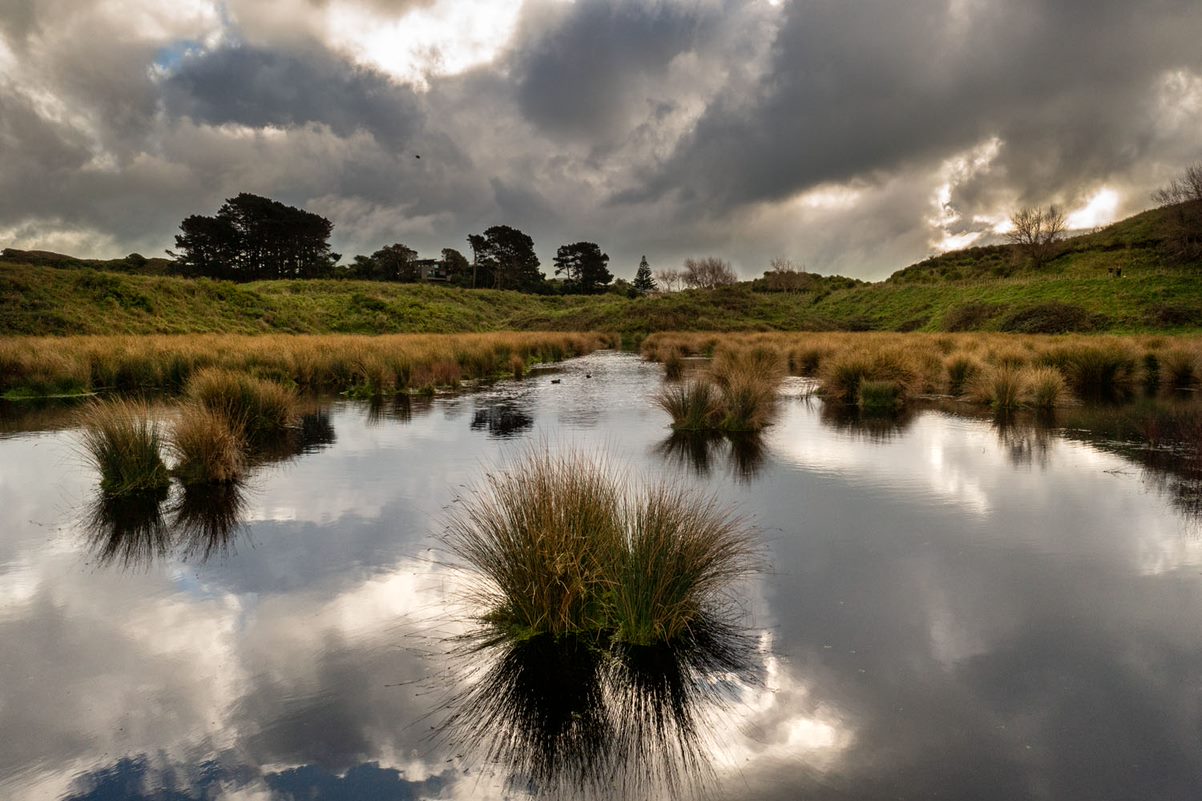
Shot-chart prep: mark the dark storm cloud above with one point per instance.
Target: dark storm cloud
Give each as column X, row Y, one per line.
column 586, row 75
column 255, row 87
column 876, row 86
column 17, row 18
column 663, row 127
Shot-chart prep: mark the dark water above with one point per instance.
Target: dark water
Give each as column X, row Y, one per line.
column 955, row 609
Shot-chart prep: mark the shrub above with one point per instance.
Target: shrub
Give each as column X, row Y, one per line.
column 124, row 444
column 1051, row 318
column 969, row 316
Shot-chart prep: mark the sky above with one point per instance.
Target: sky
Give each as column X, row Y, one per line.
column 850, row 137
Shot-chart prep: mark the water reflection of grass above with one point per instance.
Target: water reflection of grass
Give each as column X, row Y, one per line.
column 743, row 452
column 193, row 518
column 195, row 522
column 872, row 427
column 566, row 718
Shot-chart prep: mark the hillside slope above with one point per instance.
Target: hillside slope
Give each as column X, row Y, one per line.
column 974, row 289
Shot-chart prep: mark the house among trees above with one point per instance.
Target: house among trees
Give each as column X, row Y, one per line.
column 433, row 270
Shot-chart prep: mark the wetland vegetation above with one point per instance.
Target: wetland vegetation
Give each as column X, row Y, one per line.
column 600, row 633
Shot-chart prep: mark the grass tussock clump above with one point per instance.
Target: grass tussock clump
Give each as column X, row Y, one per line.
column 673, row 365
column 1046, row 387
column 207, row 448
column 544, row 537
column 124, row 444
column 881, row 397
column 1002, row 388
column 565, row 548
column 253, row 406
column 680, row 554
column 1099, row 369
column 737, row 394
column 844, row 375
column 1180, row 369
column 694, row 405
column 962, row 369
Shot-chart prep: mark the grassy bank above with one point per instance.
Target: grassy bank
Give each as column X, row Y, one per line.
column 978, row 289
column 47, row 301
column 47, row 366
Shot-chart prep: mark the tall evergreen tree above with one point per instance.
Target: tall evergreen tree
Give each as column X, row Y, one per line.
column 390, row 263
column 458, row 269
column 253, row 238
column 643, row 282
column 506, row 256
column 583, row 266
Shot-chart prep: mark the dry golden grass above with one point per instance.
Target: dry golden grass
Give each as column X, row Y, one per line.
column 372, row 364
column 564, row 546
column 123, row 442
column 250, row 406
column 738, row 393
column 995, row 369
column 1002, row 387
column 207, row 448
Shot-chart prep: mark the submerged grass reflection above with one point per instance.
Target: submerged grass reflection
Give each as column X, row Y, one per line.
column 194, row 522
column 130, row 529
column 565, row 717
column 743, row 452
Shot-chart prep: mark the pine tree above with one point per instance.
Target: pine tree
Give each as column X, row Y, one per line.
column 643, row 282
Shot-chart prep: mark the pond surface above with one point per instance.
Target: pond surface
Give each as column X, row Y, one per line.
column 955, row 609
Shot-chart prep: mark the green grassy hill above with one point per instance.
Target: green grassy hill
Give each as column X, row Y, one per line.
column 975, row 289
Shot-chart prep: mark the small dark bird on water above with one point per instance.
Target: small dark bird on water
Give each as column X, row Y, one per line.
column 416, row 156
column 554, row 380
column 588, row 375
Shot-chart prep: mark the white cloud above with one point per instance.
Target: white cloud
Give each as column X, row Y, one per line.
column 1100, row 209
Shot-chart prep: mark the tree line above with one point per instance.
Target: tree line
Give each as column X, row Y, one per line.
column 253, row 238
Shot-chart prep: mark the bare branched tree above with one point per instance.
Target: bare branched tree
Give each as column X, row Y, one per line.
column 707, row 273
column 784, row 275
column 668, row 280
column 1183, row 232
column 1186, row 187
column 1035, row 232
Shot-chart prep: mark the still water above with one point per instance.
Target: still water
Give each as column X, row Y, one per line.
column 953, row 608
